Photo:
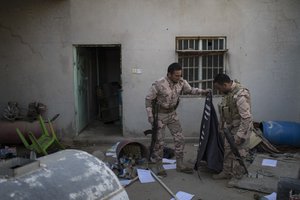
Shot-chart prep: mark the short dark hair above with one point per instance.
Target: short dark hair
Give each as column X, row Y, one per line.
column 174, row 67
column 222, row 78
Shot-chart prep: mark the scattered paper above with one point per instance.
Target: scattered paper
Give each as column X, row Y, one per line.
column 272, row 196
column 169, row 166
column 269, row 162
column 125, row 182
column 114, row 155
column 145, row 176
column 183, row 196
column 165, row 160
column 112, row 150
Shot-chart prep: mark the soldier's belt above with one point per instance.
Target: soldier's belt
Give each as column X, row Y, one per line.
column 164, row 110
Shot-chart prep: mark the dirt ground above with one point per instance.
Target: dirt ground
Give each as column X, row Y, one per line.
column 205, row 188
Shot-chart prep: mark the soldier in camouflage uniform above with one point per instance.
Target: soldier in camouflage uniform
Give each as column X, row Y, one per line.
column 235, row 114
column 166, row 92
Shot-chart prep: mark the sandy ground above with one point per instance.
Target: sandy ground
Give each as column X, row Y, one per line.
column 204, row 188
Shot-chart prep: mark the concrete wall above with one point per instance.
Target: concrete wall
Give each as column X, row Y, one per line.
column 37, row 37
column 36, row 57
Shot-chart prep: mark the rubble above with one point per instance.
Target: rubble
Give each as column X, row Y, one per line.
column 8, row 152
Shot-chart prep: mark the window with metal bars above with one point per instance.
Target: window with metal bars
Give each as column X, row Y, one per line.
column 201, row 59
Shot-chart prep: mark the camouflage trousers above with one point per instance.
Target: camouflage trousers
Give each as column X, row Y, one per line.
column 231, row 166
column 171, row 121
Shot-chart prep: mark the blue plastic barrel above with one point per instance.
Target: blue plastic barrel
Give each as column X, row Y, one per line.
column 282, row 132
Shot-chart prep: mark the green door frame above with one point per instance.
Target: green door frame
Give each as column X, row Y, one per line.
column 80, row 89
column 75, row 74
column 75, row 88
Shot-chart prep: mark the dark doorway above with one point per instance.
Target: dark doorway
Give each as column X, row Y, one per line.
column 98, row 88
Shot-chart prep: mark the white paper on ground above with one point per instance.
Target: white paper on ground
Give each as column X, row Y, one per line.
column 114, row 155
column 269, row 162
column 169, row 166
column 124, row 182
column 112, row 150
column 145, row 176
column 165, row 160
column 272, row 196
column 183, row 196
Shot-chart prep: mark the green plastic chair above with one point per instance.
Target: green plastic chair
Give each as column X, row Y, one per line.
column 41, row 144
column 31, row 147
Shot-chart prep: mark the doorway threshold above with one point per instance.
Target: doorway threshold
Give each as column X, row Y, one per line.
column 98, row 132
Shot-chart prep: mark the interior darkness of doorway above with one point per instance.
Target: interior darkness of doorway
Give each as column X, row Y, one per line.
column 104, row 88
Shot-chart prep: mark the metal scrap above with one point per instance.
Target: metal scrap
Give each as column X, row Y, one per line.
column 12, row 111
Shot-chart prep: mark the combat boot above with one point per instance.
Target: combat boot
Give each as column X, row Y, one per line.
column 180, row 167
column 160, row 169
column 221, row 175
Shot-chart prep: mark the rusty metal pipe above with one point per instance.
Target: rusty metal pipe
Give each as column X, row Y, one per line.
column 8, row 134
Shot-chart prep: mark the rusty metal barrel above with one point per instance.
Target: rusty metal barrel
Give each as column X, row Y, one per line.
column 131, row 148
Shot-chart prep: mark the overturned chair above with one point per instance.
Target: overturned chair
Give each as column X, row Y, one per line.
column 41, row 144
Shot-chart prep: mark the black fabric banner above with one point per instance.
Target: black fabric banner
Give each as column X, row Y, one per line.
column 211, row 143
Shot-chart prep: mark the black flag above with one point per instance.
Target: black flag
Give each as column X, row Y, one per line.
column 211, row 143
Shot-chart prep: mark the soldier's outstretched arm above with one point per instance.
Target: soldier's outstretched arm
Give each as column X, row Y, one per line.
column 187, row 89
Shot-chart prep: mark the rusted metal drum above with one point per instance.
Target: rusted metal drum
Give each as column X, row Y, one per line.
column 8, row 134
column 68, row 174
column 127, row 147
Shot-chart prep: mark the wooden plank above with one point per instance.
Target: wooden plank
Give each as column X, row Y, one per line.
column 265, row 178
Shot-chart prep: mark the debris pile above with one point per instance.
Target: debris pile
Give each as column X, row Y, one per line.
column 35, row 109
column 129, row 156
column 13, row 111
column 8, row 152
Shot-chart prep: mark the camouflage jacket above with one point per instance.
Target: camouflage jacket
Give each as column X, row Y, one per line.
column 235, row 111
column 167, row 93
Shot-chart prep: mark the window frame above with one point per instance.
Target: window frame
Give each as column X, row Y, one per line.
column 190, row 48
